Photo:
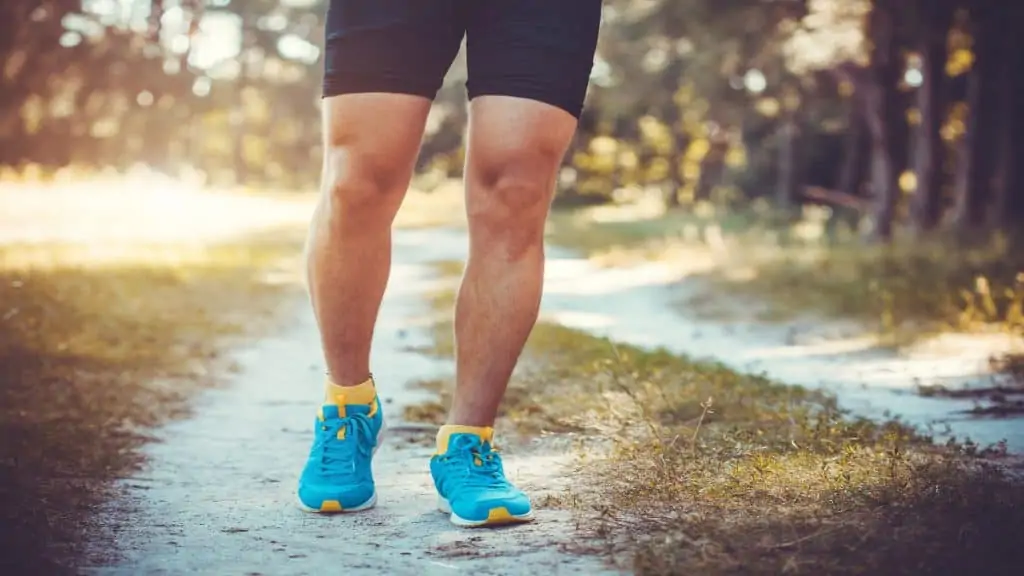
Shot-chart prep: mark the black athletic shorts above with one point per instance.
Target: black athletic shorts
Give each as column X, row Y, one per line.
column 537, row 49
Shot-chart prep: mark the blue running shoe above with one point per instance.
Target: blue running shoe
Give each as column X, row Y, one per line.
column 338, row 475
column 471, row 483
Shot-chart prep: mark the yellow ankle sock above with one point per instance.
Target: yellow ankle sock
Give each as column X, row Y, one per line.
column 486, row 434
column 363, row 393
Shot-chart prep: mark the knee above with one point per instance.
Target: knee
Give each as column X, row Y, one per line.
column 361, row 185
column 509, row 198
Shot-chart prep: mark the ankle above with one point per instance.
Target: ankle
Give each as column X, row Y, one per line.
column 485, row 433
column 363, row 392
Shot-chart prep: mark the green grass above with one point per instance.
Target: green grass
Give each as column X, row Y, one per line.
column 97, row 346
column 578, row 230
column 691, row 468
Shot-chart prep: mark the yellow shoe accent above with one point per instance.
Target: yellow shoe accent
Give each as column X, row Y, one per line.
column 331, row 506
column 363, row 393
column 485, row 433
column 499, row 516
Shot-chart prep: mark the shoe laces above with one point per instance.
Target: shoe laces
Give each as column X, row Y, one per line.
column 341, row 440
column 475, row 463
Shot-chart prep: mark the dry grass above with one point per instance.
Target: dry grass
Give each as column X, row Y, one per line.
column 691, row 468
column 97, row 345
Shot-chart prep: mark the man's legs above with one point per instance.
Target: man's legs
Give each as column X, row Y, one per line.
column 371, row 142
column 515, row 149
column 370, row 145
column 529, row 64
column 384, row 62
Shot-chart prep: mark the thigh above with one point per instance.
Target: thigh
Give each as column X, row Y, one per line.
column 392, row 46
column 371, row 141
column 537, row 49
column 514, row 152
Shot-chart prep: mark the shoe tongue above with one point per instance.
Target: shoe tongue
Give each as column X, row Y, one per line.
column 467, row 439
column 357, row 409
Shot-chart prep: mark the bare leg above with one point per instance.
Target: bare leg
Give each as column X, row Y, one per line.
column 370, row 146
column 514, row 152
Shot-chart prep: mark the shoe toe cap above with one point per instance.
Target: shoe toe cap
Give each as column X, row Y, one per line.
column 480, row 509
column 326, row 498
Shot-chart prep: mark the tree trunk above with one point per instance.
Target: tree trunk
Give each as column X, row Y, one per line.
column 786, row 193
column 1007, row 208
column 897, row 125
column 883, row 107
column 851, row 172
column 977, row 150
column 672, row 115
column 676, row 180
column 239, row 118
column 712, row 166
column 156, row 14
column 787, row 136
column 928, row 148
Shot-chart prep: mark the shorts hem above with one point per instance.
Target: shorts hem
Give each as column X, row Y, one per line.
column 571, row 105
column 341, row 84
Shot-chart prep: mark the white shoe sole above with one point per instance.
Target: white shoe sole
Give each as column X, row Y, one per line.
column 497, row 517
column 365, row 506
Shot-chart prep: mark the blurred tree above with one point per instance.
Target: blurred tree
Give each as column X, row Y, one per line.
column 852, row 103
column 977, row 154
column 787, row 191
column 884, row 113
column 173, row 83
column 933, row 20
column 29, row 34
column 1007, row 207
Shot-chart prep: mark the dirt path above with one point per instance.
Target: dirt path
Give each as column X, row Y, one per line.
column 218, row 494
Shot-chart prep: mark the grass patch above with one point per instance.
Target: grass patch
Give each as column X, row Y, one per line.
column 98, row 344
column 596, row 230
column 1010, row 366
column 1002, row 398
column 904, row 291
column 693, row 468
column 923, row 288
